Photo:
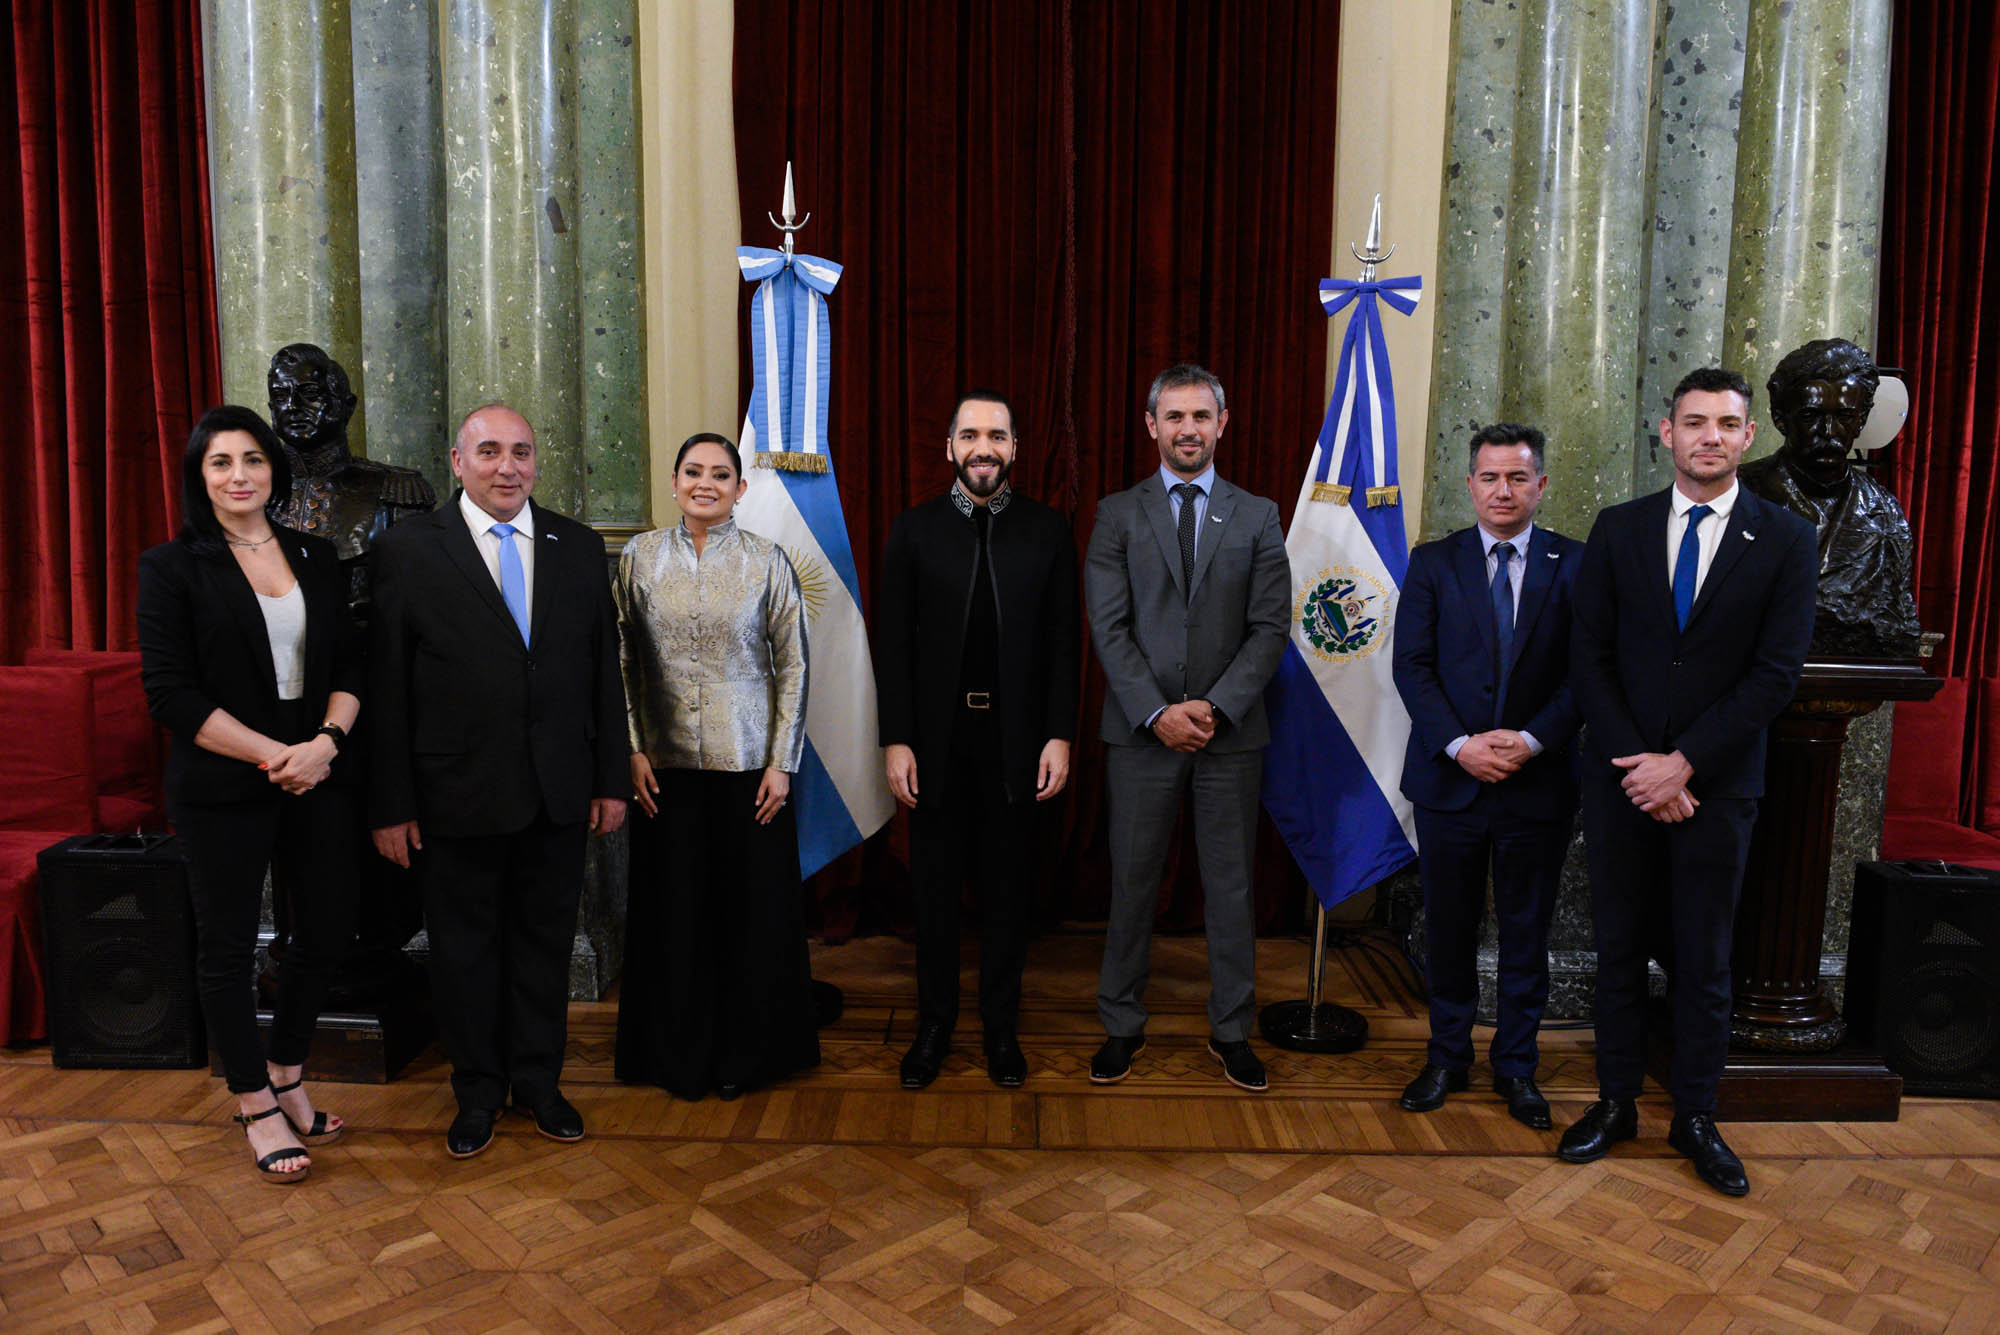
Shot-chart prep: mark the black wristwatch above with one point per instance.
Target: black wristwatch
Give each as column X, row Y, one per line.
column 335, row 731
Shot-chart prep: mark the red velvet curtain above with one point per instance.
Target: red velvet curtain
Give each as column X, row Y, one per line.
column 108, row 345
column 1054, row 200
column 1940, row 321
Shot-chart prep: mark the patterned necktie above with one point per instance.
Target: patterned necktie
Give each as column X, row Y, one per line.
column 1187, row 491
column 1688, row 564
column 1503, row 622
column 513, row 579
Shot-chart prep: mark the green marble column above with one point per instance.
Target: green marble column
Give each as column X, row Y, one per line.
column 510, row 184
column 399, row 165
column 1694, row 186
column 1808, row 212
column 1576, row 263
column 610, row 268
column 281, row 168
column 1472, row 251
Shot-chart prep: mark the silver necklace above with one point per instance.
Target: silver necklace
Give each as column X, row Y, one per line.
column 250, row 545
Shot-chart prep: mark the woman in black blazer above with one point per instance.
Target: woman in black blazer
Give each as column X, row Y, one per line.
column 251, row 663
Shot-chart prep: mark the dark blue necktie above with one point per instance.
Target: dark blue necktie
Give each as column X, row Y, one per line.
column 1688, row 564
column 1503, row 622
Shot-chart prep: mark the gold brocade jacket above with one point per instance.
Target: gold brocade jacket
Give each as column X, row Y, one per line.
column 713, row 650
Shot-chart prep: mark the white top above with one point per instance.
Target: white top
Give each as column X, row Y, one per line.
column 488, row 542
column 1709, row 535
column 285, row 624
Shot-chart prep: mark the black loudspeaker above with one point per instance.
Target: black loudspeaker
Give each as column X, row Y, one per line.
column 1923, row 974
column 119, row 931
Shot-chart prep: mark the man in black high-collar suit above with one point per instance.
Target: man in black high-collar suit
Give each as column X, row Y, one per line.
column 500, row 727
column 1692, row 614
column 976, row 685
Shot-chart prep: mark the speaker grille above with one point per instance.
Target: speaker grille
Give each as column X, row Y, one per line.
column 1924, row 974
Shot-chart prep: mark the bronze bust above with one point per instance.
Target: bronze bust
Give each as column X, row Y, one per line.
column 1821, row 394
column 335, row 495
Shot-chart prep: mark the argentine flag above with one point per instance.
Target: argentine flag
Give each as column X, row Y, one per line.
column 1333, row 771
column 840, row 796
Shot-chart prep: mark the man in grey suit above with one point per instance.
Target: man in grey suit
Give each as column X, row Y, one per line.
column 1188, row 587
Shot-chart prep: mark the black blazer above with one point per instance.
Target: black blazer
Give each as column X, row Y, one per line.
column 471, row 731
column 921, row 603
column 1446, row 642
column 1709, row 691
column 204, row 646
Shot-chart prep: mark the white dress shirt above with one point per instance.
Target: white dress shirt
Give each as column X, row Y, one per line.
column 1709, row 535
column 488, row 542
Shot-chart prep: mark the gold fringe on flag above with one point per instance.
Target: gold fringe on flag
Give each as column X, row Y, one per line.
column 793, row 461
column 1383, row 495
column 1331, row 491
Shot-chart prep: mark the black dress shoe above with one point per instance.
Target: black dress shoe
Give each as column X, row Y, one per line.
column 1525, row 1103
column 922, row 1062
column 555, row 1118
column 1426, row 1093
column 1694, row 1135
column 728, row 1092
column 1603, row 1124
column 1005, row 1064
column 471, row 1132
column 1113, row 1061
column 1240, row 1064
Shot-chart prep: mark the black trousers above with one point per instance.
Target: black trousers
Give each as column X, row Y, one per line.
column 501, row 910
column 1525, row 857
column 717, row 987
column 1669, row 891
column 309, row 842
column 973, row 831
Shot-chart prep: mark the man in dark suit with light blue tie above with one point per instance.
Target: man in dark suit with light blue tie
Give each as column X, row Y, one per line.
column 1189, row 589
column 1693, row 611
column 1482, row 664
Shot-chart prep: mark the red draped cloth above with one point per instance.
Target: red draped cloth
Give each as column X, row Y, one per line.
column 1940, row 321
column 108, row 347
column 1055, row 200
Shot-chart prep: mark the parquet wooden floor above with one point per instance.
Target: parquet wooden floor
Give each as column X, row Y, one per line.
column 1171, row 1203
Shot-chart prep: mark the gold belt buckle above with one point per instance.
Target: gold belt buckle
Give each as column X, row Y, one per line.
column 979, row 699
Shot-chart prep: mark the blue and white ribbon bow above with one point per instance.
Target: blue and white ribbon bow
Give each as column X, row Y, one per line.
column 791, row 355
column 1364, row 395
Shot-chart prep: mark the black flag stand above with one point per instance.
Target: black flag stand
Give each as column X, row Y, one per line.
column 1313, row 1025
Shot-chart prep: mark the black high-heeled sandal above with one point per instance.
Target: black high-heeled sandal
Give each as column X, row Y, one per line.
column 265, row 1170
column 321, row 1133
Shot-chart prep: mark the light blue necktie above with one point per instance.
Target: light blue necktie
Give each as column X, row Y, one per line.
column 513, row 579
column 1687, row 564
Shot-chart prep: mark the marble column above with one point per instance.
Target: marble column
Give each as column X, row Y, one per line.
column 1694, row 188
column 1575, row 293
column 610, row 267
column 1472, row 251
column 281, row 169
column 1808, row 209
column 399, row 163
column 510, row 183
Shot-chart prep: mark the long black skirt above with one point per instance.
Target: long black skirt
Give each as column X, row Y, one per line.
column 717, row 988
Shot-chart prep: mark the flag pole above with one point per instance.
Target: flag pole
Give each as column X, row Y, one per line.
column 828, row 1001
column 1315, row 1024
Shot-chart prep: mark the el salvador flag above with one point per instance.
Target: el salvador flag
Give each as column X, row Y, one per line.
column 1333, row 771
column 840, row 796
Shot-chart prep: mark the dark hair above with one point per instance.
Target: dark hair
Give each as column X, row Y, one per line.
column 199, row 527
column 1184, row 375
column 1710, row 380
column 709, row 438
column 1831, row 359
column 1506, row 433
column 984, row 396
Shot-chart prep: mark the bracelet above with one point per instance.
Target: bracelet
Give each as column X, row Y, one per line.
column 335, row 731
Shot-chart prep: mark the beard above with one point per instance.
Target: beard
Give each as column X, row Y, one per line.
column 982, row 488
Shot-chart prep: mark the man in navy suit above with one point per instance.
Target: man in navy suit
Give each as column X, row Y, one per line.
column 1692, row 614
column 1482, row 664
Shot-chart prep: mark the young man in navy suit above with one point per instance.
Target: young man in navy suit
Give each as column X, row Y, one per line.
column 1693, row 612
column 1482, row 664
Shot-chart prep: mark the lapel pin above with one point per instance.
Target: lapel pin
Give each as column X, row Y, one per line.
column 550, row 536
column 1749, row 536
column 1215, row 519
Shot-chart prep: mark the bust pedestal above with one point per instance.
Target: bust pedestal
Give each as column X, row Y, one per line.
column 1789, row 1056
